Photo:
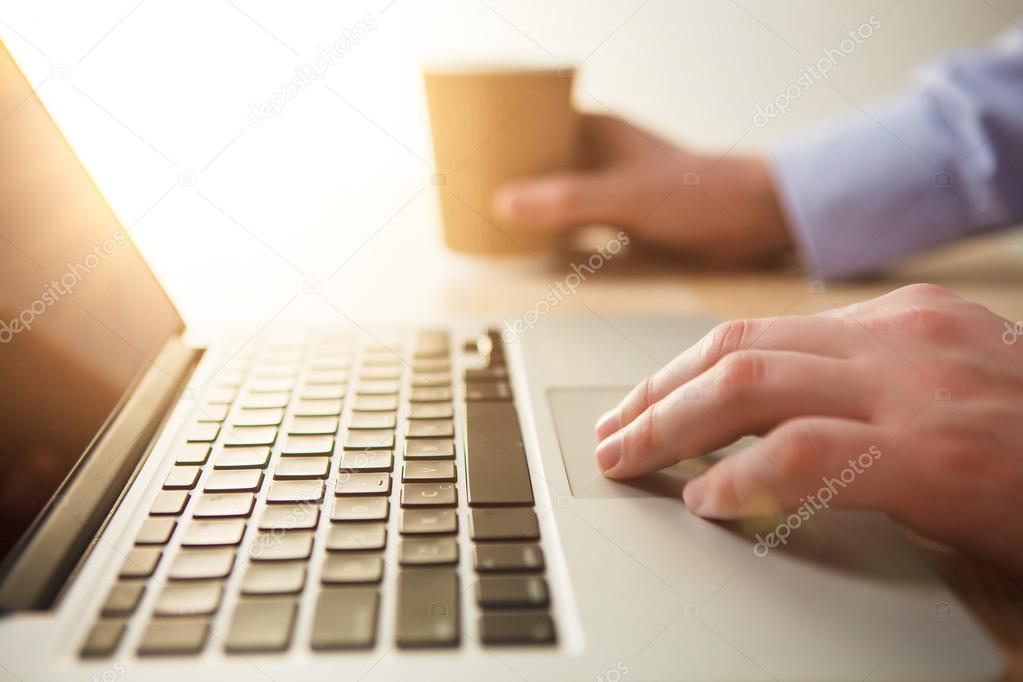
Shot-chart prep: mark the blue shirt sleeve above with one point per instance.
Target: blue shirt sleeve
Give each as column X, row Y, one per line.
column 940, row 162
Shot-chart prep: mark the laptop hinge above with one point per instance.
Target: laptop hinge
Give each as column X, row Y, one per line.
column 74, row 519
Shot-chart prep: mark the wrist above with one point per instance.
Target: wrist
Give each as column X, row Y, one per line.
column 746, row 186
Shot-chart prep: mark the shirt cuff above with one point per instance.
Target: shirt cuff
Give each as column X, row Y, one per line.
column 866, row 190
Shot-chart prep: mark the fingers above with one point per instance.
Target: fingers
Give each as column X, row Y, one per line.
column 818, row 462
column 563, row 200
column 807, row 334
column 748, row 392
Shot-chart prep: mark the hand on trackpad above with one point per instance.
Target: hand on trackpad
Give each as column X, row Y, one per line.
column 575, row 412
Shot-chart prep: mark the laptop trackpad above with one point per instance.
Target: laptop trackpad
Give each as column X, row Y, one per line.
column 575, row 412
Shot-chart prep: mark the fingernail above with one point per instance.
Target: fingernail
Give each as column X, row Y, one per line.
column 608, row 424
column 506, row 201
column 609, row 452
column 692, row 494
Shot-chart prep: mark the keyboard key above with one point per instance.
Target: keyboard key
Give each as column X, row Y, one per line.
column 487, row 391
column 427, row 551
column 289, row 517
column 427, row 521
column 428, row 495
column 352, row 567
column 234, row 480
column 431, row 411
column 192, row 453
column 370, row 440
column 224, row 504
column 496, row 471
column 274, row 578
column 431, row 379
column 248, row 436
column 345, row 537
column 345, row 618
column 264, row 401
column 486, row 373
column 508, row 557
column 430, row 449
column 264, row 417
column 296, row 468
column 367, row 460
column 291, row 492
column 373, row 420
column 278, row 546
column 390, row 371
column 434, row 428
column 200, row 598
column 212, row 413
column 427, row 607
column 213, row 533
column 318, row 408
column 267, row 384
column 140, row 562
column 123, row 598
column 156, row 531
column 261, row 624
column 360, row 509
column 164, row 636
column 312, row 426
column 322, row 392
column 375, row 403
column 516, row 628
column 169, row 503
column 202, row 432
column 503, row 524
column 362, row 484
column 202, row 564
column 326, row 376
column 428, row 470
column 308, row 445
column 103, row 639
column 378, row 387
column 511, row 591
column 431, row 365
column 242, row 458
column 182, row 478
column 440, row 394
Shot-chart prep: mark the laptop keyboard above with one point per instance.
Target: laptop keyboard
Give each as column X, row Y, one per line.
column 302, row 460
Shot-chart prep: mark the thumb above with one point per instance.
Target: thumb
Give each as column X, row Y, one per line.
column 559, row 201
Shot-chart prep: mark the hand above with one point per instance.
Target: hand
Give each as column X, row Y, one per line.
column 919, row 379
column 724, row 210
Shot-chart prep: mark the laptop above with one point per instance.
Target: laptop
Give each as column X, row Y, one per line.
column 394, row 503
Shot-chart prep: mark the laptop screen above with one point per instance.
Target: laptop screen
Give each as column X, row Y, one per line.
column 81, row 315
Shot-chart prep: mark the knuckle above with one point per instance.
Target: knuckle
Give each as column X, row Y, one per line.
column 728, row 337
column 637, row 401
column 924, row 290
column 567, row 198
column 638, row 439
column 740, row 371
column 795, row 452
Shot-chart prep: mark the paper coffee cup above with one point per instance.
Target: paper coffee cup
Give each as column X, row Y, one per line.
column 491, row 125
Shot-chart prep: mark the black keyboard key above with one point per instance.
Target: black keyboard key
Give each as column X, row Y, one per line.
column 345, row 618
column 428, row 607
column 433, row 448
column 516, row 628
column 497, row 473
column 508, row 557
column 261, row 624
column 103, row 639
column 512, row 591
column 165, row 636
column 503, row 524
column 123, row 598
column 428, row 551
column 428, row 522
